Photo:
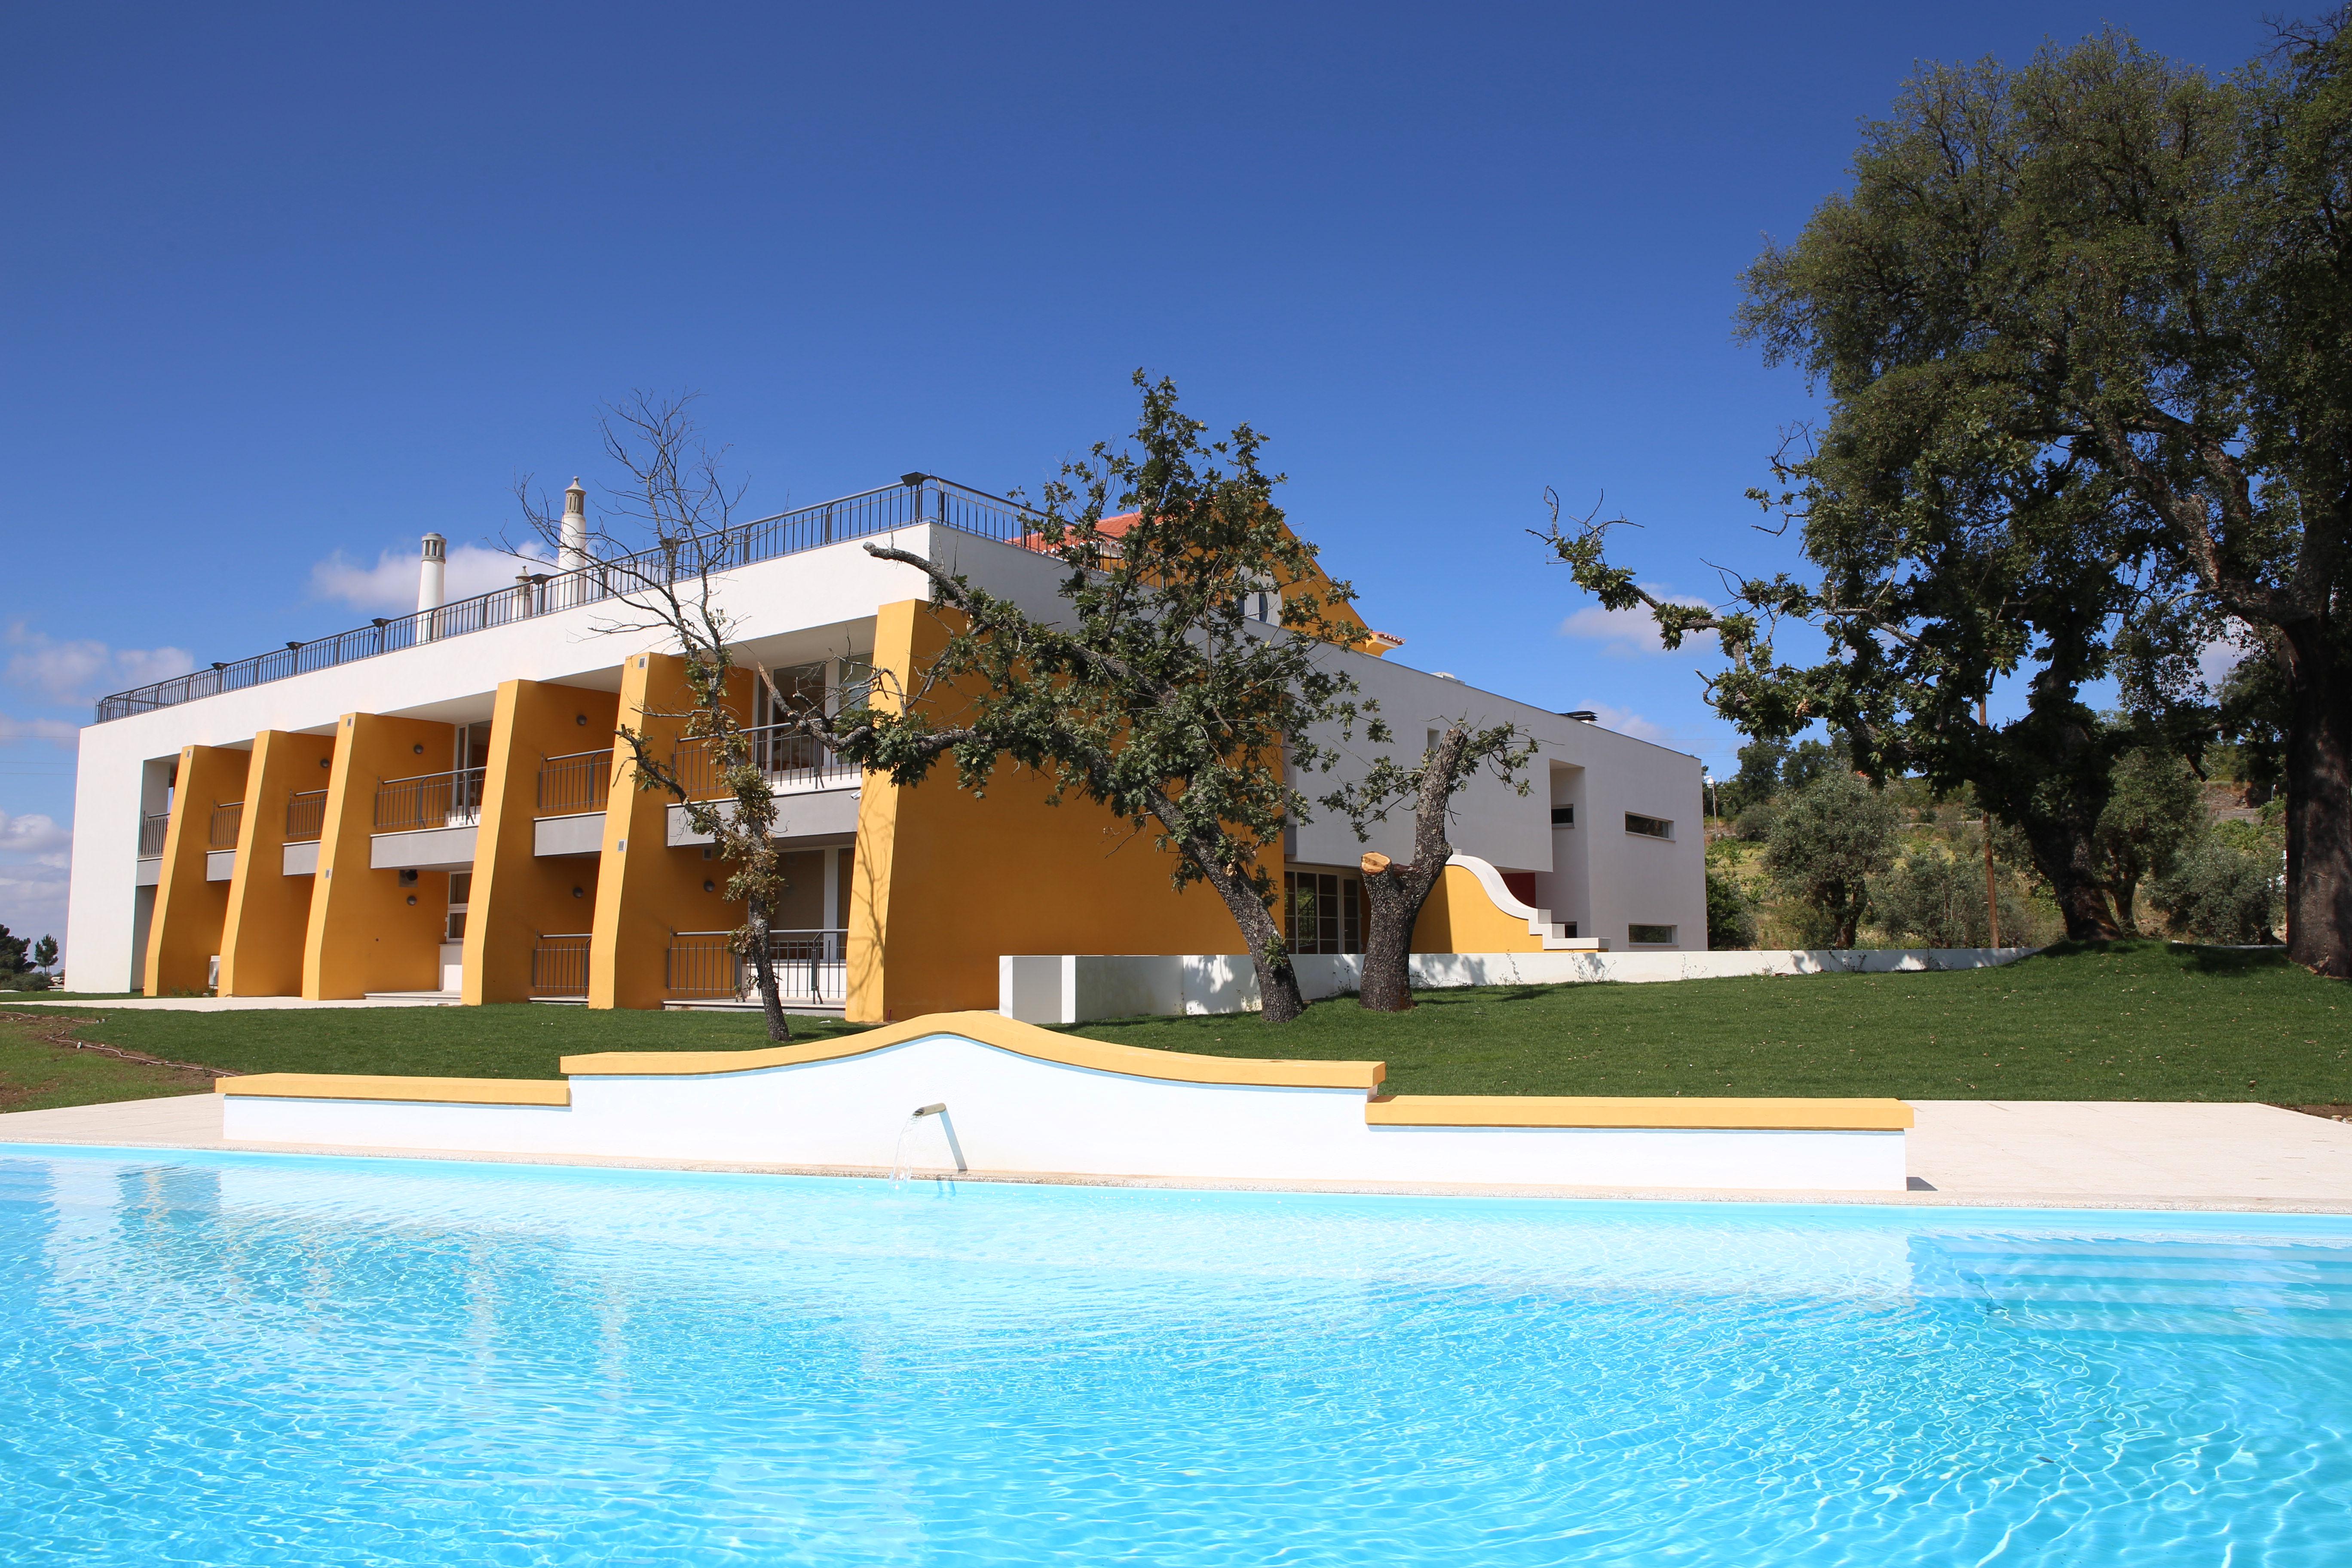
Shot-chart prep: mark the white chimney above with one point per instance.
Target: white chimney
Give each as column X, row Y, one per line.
column 433, row 574
column 574, row 553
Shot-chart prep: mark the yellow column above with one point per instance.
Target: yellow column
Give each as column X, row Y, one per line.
column 186, row 930
column 269, row 911
column 646, row 889
column 368, row 931
column 517, row 896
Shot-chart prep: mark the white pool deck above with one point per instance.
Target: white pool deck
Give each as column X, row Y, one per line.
column 1995, row 1153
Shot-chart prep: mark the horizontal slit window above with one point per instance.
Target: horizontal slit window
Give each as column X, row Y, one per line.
column 1563, row 816
column 1648, row 827
column 1650, row 936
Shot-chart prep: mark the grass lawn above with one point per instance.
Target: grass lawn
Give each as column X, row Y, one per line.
column 36, row 1074
column 2129, row 1021
column 2132, row 1021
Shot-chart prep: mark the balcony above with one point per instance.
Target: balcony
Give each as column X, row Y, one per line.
column 926, row 500
column 559, row 966
column 572, row 793
column 220, row 841
column 306, row 821
column 818, row 791
column 152, row 832
column 812, row 969
column 428, row 822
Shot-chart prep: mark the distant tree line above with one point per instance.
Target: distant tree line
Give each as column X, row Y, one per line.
column 23, row 963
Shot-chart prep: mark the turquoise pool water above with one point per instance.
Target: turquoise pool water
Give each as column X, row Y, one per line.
column 249, row 1359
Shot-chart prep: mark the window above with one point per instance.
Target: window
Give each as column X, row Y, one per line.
column 1563, row 816
column 1322, row 913
column 461, row 893
column 1567, row 929
column 1650, row 936
column 1648, row 827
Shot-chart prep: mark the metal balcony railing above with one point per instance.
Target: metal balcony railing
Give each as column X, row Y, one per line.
column 924, row 500
column 788, row 758
column 558, row 965
column 226, row 819
column 153, row 831
column 580, row 781
column 306, row 816
column 810, row 966
column 429, row 800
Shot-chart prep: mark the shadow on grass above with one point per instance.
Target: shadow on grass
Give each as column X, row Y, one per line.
column 2187, row 956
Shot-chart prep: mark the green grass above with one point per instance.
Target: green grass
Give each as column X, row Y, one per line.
column 516, row 1041
column 36, row 1075
column 2128, row 1021
column 2131, row 1021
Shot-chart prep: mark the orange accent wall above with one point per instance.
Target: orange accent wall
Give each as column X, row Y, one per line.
column 185, row 931
column 646, row 890
column 944, row 882
column 1458, row 917
column 269, row 911
column 364, row 935
column 517, row 897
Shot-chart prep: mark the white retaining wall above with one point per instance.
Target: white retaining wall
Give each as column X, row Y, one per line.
column 1012, row 1112
column 1080, row 988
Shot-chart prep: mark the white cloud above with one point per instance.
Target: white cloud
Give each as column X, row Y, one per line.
column 1628, row 633
column 34, row 834
column 36, row 854
column 57, row 730
column 2216, row 660
column 389, row 587
column 1625, row 721
column 83, row 668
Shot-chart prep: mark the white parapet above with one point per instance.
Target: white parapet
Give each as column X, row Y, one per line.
column 1021, row 1100
column 1085, row 988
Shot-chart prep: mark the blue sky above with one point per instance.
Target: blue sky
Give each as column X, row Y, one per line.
column 286, row 286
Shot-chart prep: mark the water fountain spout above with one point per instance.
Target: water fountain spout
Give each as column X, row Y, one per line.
column 899, row 1154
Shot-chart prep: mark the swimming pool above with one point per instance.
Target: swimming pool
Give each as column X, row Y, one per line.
column 261, row 1359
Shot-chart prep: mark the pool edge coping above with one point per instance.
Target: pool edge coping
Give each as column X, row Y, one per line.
column 2020, row 1199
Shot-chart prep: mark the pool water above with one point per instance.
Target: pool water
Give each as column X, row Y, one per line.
column 258, row 1359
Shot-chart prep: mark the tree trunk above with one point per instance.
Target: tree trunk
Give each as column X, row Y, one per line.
column 2062, row 853
column 2319, row 803
column 763, row 968
column 1279, row 997
column 1395, row 894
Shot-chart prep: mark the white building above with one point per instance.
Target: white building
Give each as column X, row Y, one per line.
column 433, row 805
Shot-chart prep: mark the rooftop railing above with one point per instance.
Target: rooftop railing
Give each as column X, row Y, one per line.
column 925, row 500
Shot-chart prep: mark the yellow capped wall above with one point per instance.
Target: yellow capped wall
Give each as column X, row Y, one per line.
column 646, row 890
column 517, row 897
column 185, row 932
column 364, row 935
column 268, row 914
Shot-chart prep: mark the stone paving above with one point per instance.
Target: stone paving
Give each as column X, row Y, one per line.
column 1994, row 1153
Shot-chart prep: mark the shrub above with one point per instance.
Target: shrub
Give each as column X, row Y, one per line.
column 1935, row 899
column 1829, row 839
column 2224, row 893
column 30, row 979
column 1731, row 912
